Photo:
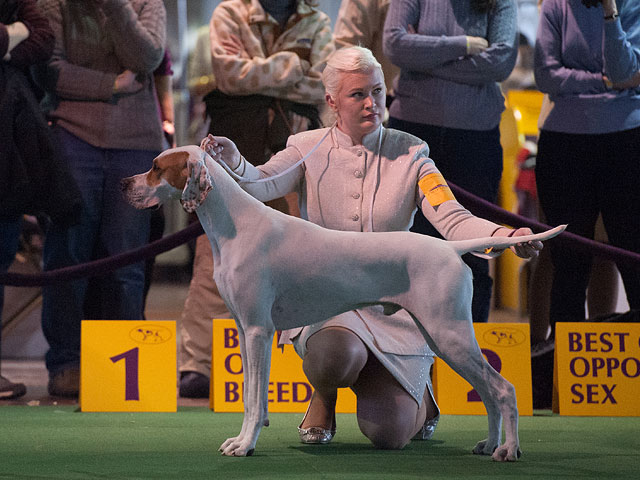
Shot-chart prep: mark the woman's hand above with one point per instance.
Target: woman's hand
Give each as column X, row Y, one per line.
column 633, row 82
column 126, row 82
column 609, row 7
column 222, row 149
column 476, row 45
column 18, row 33
column 522, row 250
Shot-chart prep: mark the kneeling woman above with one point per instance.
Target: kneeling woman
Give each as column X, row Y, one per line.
column 364, row 177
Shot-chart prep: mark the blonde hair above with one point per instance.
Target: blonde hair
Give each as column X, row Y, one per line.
column 347, row 60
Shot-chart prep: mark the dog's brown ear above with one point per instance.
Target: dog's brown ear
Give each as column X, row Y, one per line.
column 198, row 183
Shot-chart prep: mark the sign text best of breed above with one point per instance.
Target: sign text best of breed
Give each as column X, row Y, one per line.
column 289, row 389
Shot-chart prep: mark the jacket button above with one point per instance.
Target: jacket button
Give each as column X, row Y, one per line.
column 356, row 196
column 358, row 174
column 355, row 218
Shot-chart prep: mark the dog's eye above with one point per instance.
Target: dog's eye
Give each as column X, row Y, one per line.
column 155, row 168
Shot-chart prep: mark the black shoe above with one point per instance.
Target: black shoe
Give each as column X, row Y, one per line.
column 194, row 385
column 9, row 390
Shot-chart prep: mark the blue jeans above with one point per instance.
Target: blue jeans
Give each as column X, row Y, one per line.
column 108, row 226
column 9, row 241
column 472, row 159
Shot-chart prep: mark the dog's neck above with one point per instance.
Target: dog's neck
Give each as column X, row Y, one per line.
column 225, row 213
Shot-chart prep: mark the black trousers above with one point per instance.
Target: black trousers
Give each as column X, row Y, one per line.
column 579, row 177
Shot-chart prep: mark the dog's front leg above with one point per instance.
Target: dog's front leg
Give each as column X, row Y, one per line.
column 255, row 344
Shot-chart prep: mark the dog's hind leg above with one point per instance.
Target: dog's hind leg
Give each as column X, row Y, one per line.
column 255, row 345
column 448, row 329
column 457, row 346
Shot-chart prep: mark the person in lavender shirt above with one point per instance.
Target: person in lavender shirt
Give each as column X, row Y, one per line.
column 452, row 55
column 587, row 59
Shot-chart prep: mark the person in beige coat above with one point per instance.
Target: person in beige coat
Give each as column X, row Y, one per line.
column 361, row 23
column 266, row 57
column 359, row 176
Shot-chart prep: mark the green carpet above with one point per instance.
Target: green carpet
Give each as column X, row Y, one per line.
column 58, row 442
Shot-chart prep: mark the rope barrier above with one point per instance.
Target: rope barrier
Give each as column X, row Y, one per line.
column 476, row 205
column 103, row 265
column 485, row 209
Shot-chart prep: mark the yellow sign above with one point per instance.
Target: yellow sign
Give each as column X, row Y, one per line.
column 128, row 366
column 598, row 369
column 289, row 389
column 507, row 348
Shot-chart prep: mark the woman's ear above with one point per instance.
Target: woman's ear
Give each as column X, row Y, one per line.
column 331, row 102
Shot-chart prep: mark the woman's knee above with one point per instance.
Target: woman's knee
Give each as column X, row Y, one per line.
column 390, row 433
column 387, row 415
column 335, row 357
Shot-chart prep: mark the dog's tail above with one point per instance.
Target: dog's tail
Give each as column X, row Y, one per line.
column 484, row 245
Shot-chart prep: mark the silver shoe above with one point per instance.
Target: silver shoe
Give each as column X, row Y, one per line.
column 316, row 435
column 428, row 429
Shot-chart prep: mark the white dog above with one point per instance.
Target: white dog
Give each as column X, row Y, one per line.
column 275, row 271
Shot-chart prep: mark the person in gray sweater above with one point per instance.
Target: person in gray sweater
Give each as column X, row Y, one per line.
column 452, row 55
column 100, row 98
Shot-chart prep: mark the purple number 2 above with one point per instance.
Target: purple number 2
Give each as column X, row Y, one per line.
column 131, row 391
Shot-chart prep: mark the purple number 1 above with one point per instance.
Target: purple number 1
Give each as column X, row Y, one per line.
column 131, row 391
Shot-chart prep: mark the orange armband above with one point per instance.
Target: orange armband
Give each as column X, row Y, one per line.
column 435, row 189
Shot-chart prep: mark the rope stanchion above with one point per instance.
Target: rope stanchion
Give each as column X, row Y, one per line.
column 103, row 265
column 476, row 205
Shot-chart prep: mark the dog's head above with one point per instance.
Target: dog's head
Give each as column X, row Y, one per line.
column 175, row 171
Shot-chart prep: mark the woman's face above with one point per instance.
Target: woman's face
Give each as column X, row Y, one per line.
column 359, row 103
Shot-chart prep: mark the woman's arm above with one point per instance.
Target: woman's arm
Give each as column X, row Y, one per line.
column 224, row 150
column 36, row 40
column 65, row 79
column 493, row 64
column 551, row 75
column 452, row 57
column 622, row 43
column 139, row 38
column 310, row 89
column 454, row 221
column 413, row 51
column 351, row 27
column 241, row 74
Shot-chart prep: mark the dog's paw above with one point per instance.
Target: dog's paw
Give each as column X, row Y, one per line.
column 484, row 448
column 506, row 453
column 236, row 447
column 225, row 445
